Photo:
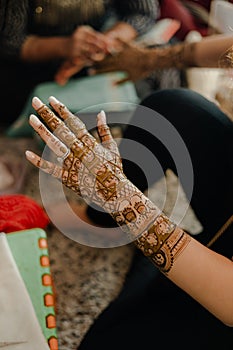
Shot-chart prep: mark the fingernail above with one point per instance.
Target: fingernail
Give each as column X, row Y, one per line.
column 29, row 155
column 34, row 120
column 101, row 118
column 53, row 100
column 37, row 103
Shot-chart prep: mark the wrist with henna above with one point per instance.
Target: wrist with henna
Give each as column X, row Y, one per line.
column 101, row 179
column 178, row 56
column 131, row 210
column 163, row 242
column 94, row 171
column 160, row 239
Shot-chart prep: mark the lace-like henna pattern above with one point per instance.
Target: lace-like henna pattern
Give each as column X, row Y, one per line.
column 226, row 59
column 78, row 128
column 49, row 117
column 94, row 170
column 60, row 149
column 50, row 168
column 163, row 243
column 103, row 183
column 101, row 174
column 179, row 56
column 71, row 167
column 132, row 210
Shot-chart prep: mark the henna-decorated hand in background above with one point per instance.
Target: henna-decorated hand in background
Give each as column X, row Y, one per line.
column 139, row 62
column 133, row 59
column 92, row 169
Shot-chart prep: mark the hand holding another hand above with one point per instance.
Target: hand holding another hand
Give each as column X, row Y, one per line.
column 86, row 47
column 133, row 59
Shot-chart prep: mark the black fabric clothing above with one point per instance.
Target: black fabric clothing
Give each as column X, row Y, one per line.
column 18, row 19
column 207, row 133
column 151, row 311
column 21, row 18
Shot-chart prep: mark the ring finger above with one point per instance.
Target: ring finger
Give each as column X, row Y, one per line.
column 73, row 122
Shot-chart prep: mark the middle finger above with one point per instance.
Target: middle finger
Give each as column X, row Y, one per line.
column 73, row 123
column 79, row 148
column 55, row 124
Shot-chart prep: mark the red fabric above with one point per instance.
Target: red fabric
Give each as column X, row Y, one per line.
column 176, row 10
column 19, row 212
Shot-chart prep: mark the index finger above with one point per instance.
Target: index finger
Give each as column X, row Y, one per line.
column 80, row 147
column 55, row 124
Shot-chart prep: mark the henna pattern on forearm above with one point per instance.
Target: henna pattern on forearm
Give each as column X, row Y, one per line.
column 179, row 56
column 95, row 172
column 163, row 243
column 132, row 210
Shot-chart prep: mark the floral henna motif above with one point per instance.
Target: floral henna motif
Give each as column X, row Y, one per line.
column 163, row 242
column 94, row 171
column 132, row 211
column 48, row 116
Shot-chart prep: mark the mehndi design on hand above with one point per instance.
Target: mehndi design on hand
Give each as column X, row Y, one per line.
column 94, row 171
column 163, row 242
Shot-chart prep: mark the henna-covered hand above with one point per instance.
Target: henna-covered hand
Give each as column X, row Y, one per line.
column 133, row 59
column 139, row 62
column 92, row 169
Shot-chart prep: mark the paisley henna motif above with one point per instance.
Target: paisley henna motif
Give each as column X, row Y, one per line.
column 163, row 242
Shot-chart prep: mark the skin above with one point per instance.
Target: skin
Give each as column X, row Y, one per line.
column 199, row 271
column 83, row 48
column 112, row 41
column 139, row 62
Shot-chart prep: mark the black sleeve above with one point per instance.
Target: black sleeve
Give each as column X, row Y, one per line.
column 141, row 14
column 13, row 27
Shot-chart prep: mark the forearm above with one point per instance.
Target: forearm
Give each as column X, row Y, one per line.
column 207, row 277
column 39, row 49
column 209, row 50
column 94, row 171
column 205, row 53
column 203, row 274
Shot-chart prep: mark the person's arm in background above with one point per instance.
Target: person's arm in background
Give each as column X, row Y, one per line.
column 16, row 44
column 13, row 22
column 203, row 274
column 139, row 62
column 209, row 50
column 84, row 43
column 135, row 17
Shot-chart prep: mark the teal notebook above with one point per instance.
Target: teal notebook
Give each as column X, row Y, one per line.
column 86, row 94
column 30, row 251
